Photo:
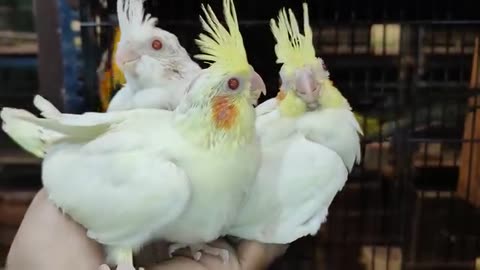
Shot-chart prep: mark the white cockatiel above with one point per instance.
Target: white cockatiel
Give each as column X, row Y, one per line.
column 156, row 67
column 309, row 142
column 132, row 176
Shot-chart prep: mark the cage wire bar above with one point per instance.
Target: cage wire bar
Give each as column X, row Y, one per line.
column 405, row 68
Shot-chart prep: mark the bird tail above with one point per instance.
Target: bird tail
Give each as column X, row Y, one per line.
column 46, row 108
column 21, row 126
column 36, row 135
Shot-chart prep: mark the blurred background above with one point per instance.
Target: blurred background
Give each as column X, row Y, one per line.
column 410, row 69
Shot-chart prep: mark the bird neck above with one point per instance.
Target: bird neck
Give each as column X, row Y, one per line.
column 222, row 123
column 290, row 105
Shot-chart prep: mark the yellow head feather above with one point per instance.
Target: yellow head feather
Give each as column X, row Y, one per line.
column 293, row 49
column 223, row 48
column 292, row 106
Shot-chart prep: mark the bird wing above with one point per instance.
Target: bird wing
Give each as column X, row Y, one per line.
column 336, row 129
column 266, row 107
column 302, row 178
column 113, row 173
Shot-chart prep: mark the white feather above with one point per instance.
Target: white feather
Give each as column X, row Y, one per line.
column 336, row 129
column 305, row 162
column 158, row 78
column 266, row 107
column 132, row 176
column 295, row 186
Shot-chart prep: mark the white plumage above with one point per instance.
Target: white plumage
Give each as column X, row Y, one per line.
column 309, row 144
column 157, row 77
column 305, row 162
column 133, row 176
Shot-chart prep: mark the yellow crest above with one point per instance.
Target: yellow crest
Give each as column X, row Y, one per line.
column 223, row 48
column 293, row 49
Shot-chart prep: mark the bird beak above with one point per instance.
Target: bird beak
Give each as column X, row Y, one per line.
column 306, row 87
column 257, row 87
column 125, row 56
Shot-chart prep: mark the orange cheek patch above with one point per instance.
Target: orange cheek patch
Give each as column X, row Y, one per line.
column 281, row 95
column 224, row 113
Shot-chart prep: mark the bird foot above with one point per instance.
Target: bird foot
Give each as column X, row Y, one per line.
column 174, row 247
column 197, row 250
column 122, row 266
column 125, row 266
column 194, row 252
column 207, row 249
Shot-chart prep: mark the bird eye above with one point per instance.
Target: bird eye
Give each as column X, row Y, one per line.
column 233, row 84
column 157, row 45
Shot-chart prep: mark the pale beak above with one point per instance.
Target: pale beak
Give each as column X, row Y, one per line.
column 125, row 56
column 257, row 87
column 307, row 88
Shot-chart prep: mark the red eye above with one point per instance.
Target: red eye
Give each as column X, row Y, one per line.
column 157, row 45
column 233, row 84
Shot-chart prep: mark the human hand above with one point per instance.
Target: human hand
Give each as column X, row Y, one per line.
column 50, row 240
column 47, row 239
column 249, row 255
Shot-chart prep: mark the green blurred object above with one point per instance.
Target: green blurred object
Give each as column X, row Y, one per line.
column 435, row 115
column 370, row 125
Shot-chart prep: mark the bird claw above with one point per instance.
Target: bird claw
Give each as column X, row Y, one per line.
column 217, row 252
column 119, row 267
column 197, row 250
column 174, row 247
column 125, row 266
column 197, row 255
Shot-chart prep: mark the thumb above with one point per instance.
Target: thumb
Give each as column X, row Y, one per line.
column 253, row 255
